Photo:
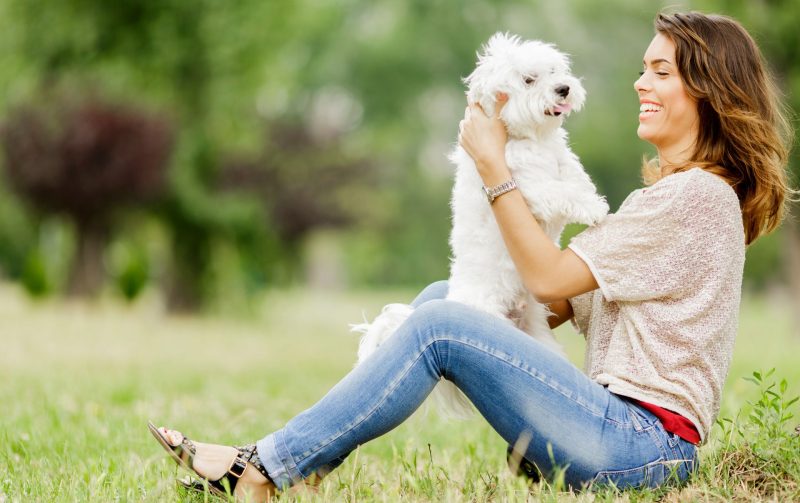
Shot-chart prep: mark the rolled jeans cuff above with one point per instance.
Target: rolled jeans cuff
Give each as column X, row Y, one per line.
column 277, row 461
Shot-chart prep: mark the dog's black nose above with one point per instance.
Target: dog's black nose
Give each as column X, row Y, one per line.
column 562, row 91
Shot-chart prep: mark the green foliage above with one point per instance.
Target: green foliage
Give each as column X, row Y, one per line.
column 766, row 428
column 381, row 77
column 759, row 450
column 404, row 242
column 131, row 269
column 17, row 234
column 763, row 263
column 45, row 266
column 35, row 278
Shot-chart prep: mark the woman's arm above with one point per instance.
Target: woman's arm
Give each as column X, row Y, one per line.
column 549, row 273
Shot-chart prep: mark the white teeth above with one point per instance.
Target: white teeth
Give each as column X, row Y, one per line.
column 650, row 107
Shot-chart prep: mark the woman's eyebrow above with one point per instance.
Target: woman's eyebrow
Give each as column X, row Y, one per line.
column 656, row 61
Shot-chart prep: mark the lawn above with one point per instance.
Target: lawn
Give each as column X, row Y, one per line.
column 80, row 381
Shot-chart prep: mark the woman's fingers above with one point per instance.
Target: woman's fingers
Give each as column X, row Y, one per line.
column 482, row 136
column 475, row 107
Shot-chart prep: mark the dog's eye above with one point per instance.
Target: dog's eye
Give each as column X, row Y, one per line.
column 529, row 80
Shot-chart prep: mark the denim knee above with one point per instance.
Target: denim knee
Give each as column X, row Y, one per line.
column 427, row 321
column 434, row 313
column 434, row 291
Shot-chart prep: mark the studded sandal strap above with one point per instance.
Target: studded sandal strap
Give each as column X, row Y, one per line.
column 185, row 446
column 249, row 453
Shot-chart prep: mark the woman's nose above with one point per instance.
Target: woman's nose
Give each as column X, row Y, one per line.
column 642, row 83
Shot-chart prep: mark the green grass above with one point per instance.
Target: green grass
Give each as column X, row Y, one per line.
column 78, row 383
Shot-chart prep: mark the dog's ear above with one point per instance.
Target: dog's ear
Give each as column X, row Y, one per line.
column 493, row 72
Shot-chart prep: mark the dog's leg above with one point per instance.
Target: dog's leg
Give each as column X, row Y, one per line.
column 563, row 202
column 585, row 205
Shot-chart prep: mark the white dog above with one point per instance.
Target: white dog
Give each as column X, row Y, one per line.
column 541, row 92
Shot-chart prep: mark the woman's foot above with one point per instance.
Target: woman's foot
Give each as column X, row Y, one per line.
column 213, row 462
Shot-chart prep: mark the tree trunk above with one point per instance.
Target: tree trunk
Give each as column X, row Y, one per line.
column 87, row 271
column 186, row 279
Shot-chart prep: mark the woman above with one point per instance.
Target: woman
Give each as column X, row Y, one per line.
column 655, row 288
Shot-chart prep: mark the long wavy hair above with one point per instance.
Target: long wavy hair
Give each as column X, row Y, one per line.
column 745, row 134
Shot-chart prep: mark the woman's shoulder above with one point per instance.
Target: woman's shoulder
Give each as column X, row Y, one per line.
column 707, row 204
column 691, row 200
column 698, row 185
column 710, row 191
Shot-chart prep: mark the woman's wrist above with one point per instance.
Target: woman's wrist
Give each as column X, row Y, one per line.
column 493, row 172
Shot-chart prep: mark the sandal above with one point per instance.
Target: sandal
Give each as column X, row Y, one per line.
column 183, row 454
column 199, row 485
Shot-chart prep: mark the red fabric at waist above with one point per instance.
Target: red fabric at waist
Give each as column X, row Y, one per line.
column 673, row 422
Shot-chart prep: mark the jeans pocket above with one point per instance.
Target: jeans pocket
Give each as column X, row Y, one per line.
column 640, row 421
column 649, row 475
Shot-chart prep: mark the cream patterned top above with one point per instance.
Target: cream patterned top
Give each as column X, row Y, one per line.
column 669, row 264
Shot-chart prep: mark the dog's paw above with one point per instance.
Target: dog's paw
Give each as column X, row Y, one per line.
column 591, row 212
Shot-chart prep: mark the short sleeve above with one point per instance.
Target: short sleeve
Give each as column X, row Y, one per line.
column 657, row 243
column 581, row 311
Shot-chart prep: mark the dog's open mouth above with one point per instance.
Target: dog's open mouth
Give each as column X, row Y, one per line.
column 558, row 109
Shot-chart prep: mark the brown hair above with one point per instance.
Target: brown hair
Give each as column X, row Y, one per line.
column 744, row 134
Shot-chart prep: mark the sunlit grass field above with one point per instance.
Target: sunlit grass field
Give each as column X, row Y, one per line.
column 80, row 381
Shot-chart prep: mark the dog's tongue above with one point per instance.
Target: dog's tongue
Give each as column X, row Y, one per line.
column 562, row 108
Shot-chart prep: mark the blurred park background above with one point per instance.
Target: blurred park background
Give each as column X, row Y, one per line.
column 204, row 152
column 276, row 168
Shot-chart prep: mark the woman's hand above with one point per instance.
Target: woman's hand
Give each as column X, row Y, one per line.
column 484, row 139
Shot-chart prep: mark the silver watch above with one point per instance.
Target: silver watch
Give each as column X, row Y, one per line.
column 493, row 193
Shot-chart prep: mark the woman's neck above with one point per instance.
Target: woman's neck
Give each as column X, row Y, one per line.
column 675, row 156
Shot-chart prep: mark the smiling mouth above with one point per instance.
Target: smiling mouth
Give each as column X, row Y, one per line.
column 649, row 109
column 561, row 108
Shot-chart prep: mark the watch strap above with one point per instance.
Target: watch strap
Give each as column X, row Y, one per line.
column 493, row 193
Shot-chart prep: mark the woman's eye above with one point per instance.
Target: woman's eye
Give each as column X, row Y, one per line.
column 660, row 74
column 529, row 80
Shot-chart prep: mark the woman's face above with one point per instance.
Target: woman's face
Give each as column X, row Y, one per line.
column 668, row 116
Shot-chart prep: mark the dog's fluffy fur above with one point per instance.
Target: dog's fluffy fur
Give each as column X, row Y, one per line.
column 541, row 92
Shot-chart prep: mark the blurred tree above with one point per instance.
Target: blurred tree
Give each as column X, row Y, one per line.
column 304, row 183
column 162, row 51
column 35, row 279
column 379, row 76
column 85, row 159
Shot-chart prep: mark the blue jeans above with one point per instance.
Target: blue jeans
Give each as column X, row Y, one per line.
column 525, row 391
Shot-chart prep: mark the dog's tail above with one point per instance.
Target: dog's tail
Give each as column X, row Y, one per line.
column 384, row 325
column 451, row 402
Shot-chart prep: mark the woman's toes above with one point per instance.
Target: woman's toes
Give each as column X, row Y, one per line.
column 173, row 437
